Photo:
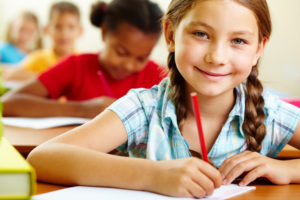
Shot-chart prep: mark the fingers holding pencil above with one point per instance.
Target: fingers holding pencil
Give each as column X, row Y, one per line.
column 188, row 177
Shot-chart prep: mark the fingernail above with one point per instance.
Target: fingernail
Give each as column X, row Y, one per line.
column 241, row 184
column 225, row 182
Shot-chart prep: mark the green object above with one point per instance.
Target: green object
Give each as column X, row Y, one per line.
column 17, row 177
column 2, row 90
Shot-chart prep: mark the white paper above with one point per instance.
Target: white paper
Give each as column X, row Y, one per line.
column 43, row 123
column 96, row 193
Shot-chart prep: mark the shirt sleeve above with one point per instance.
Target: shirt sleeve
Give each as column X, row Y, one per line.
column 59, row 78
column 32, row 63
column 131, row 111
column 281, row 125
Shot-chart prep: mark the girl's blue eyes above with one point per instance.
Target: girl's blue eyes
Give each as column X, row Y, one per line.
column 201, row 35
column 238, row 41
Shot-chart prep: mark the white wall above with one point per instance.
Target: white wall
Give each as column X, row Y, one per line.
column 280, row 65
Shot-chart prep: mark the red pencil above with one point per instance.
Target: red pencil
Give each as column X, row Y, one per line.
column 104, row 84
column 199, row 126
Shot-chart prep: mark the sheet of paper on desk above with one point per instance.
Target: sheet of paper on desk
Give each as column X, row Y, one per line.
column 44, row 122
column 96, row 193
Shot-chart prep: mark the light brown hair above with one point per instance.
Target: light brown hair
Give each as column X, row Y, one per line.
column 25, row 15
column 253, row 125
column 64, row 6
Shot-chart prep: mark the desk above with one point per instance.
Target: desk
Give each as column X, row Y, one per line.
column 26, row 139
column 289, row 152
column 262, row 192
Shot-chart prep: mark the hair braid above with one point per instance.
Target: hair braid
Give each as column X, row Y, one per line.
column 178, row 90
column 253, row 125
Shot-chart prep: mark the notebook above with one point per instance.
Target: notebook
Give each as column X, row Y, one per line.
column 96, row 193
column 17, row 177
column 43, row 122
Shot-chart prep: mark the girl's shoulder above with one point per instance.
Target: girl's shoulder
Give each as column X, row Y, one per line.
column 153, row 95
column 144, row 99
column 5, row 46
column 276, row 108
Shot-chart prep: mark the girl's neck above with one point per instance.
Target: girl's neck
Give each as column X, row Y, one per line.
column 217, row 106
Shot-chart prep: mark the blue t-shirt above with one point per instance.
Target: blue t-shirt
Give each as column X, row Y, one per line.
column 150, row 120
column 10, row 54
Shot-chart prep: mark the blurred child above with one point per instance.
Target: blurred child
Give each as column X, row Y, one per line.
column 214, row 48
column 23, row 36
column 91, row 82
column 63, row 29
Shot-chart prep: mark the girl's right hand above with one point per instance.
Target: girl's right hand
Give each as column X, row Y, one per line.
column 189, row 177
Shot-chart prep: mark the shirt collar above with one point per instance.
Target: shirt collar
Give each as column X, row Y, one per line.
column 238, row 109
column 168, row 107
column 169, row 110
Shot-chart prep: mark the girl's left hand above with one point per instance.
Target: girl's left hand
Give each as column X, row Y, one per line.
column 255, row 165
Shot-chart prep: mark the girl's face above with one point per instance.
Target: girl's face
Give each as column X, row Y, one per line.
column 25, row 33
column 126, row 51
column 215, row 44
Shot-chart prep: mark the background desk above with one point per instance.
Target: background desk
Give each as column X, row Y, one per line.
column 262, row 192
column 25, row 139
column 289, row 152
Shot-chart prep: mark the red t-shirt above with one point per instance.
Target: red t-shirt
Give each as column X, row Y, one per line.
column 76, row 78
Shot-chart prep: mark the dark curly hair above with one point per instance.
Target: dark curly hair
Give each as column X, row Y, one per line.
column 142, row 14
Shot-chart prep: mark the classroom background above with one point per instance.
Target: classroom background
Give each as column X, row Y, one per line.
column 280, row 65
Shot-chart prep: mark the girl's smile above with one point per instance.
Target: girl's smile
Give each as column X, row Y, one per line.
column 211, row 75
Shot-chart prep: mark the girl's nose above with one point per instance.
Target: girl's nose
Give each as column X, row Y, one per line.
column 216, row 54
column 130, row 65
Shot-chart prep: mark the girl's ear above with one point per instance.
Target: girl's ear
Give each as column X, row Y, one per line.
column 169, row 35
column 260, row 50
column 80, row 31
column 104, row 32
column 45, row 29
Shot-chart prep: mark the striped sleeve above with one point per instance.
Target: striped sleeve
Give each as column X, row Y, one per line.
column 282, row 126
column 131, row 111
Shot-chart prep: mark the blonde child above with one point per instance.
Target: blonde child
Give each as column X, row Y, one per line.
column 64, row 29
column 23, row 36
column 130, row 30
column 214, row 48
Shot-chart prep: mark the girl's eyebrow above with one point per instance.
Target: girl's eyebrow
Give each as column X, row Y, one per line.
column 240, row 32
column 199, row 23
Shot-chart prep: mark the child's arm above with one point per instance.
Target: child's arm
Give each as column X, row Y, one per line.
column 19, row 74
column 31, row 100
column 257, row 165
column 79, row 157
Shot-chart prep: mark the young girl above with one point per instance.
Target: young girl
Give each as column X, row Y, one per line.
column 130, row 30
column 214, row 47
column 23, row 36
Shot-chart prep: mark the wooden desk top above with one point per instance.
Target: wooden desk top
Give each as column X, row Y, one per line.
column 262, row 192
column 289, row 152
column 25, row 139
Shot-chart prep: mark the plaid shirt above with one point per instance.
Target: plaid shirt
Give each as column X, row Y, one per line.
column 150, row 120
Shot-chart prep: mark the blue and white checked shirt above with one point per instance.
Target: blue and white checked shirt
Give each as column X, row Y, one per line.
column 150, row 120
